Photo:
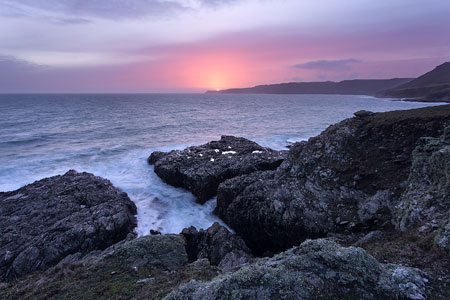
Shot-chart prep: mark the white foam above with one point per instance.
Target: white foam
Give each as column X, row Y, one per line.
column 228, row 152
column 294, row 140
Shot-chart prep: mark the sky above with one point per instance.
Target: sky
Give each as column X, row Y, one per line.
column 126, row 46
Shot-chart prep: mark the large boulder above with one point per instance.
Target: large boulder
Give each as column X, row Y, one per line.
column 200, row 169
column 317, row 269
column 348, row 179
column 221, row 247
column 48, row 220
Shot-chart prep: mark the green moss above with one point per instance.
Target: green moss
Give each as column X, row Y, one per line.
column 117, row 276
column 163, row 250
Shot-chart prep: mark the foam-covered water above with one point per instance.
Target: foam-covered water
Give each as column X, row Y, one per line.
column 112, row 136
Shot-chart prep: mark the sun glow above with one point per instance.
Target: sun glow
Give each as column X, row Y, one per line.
column 215, row 72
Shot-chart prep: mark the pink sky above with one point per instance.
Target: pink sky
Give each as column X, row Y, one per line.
column 194, row 45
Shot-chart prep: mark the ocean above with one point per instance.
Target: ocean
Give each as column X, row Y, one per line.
column 112, row 136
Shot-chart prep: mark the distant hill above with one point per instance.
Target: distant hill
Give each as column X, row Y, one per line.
column 431, row 86
column 347, row 87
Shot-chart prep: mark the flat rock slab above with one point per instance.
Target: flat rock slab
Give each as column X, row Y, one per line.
column 200, row 169
column 48, row 220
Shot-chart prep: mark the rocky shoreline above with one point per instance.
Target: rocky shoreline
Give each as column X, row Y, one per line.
column 360, row 211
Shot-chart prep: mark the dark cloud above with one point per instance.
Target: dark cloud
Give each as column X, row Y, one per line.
column 329, row 65
column 10, row 64
column 16, row 73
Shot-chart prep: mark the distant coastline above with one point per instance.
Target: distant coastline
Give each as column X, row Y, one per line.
column 369, row 87
column 433, row 86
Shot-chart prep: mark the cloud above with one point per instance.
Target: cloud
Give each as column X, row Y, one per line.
column 328, row 65
column 107, row 9
column 10, row 64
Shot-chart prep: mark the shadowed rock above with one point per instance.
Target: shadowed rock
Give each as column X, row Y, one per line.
column 168, row 251
column 346, row 180
column 200, row 169
column 48, row 220
column 218, row 245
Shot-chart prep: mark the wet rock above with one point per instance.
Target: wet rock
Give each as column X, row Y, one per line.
column 218, row 245
column 155, row 156
column 348, row 179
column 363, row 113
column 57, row 217
column 200, row 169
column 317, row 269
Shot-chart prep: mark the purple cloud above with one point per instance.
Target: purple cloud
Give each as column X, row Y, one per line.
column 108, row 9
column 327, row 65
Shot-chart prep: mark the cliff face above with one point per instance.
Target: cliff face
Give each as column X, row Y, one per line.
column 346, row 180
column 431, row 86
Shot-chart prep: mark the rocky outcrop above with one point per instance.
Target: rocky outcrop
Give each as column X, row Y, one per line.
column 167, row 251
column 44, row 222
column 146, row 268
column 425, row 203
column 200, row 169
column 427, row 196
column 346, row 180
column 218, row 245
column 317, row 269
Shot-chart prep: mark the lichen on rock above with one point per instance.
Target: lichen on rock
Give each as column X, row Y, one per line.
column 167, row 251
column 314, row 270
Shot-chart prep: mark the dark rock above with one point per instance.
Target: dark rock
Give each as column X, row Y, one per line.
column 168, row 251
column 146, row 268
column 426, row 200
column 154, row 232
column 155, row 156
column 442, row 239
column 363, row 113
column 371, row 237
column 427, row 196
column 348, row 179
column 201, row 169
column 44, row 222
column 218, row 245
column 317, row 269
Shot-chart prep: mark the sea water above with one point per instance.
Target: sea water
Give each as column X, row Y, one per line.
column 112, row 136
